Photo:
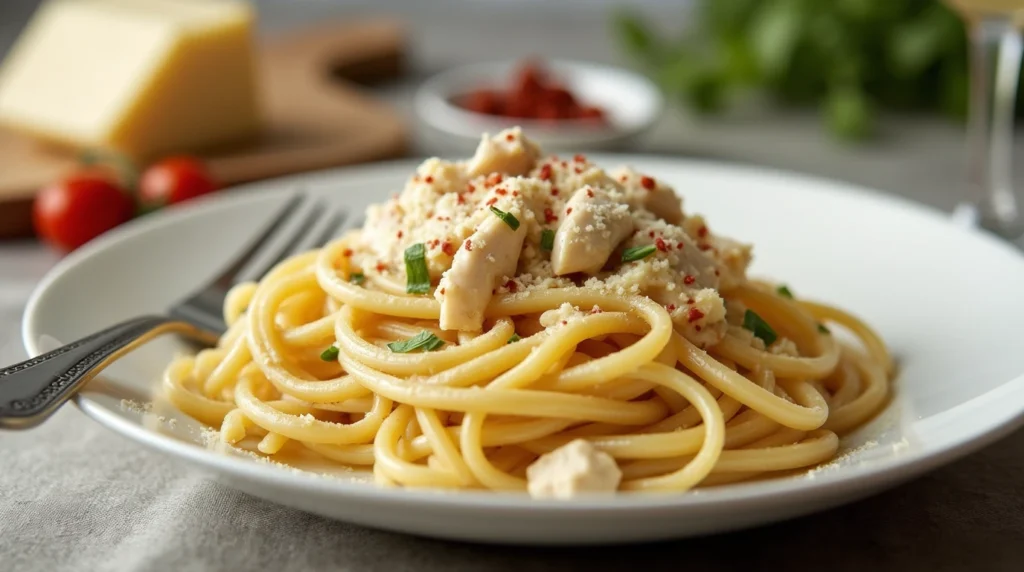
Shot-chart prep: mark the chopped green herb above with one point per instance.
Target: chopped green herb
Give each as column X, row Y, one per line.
column 783, row 291
column 330, row 354
column 547, row 240
column 638, row 253
column 424, row 340
column 761, row 329
column 823, row 329
column 417, row 279
column 509, row 218
column 515, row 338
column 357, row 278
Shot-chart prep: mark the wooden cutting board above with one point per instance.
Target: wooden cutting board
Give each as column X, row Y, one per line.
column 317, row 116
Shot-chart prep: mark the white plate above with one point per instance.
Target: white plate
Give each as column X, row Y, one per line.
column 946, row 299
column 631, row 102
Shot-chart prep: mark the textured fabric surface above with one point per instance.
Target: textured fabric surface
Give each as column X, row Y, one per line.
column 77, row 497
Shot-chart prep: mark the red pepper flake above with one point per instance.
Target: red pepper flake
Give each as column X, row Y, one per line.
column 381, row 267
column 515, row 193
column 460, row 200
column 689, row 301
column 647, row 183
column 494, row 179
column 590, row 192
column 469, row 245
column 491, row 201
column 702, row 231
column 697, row 327
column 501, row 191
column 579, row 159
column 564, row 323
column 550, row 216
column 448, row 248
column 695, row 315
column 680, row 246
column 651, row 234
column 399, row 234
column 716, row 273
column 660, row 245
column 623, row 178
column 510, row 137
column 428, row 180
column 554, row 191
column 705, row 247
column 689, row 280
column 568, row 211
column 511, row 286
column 470, row 188
column 671, row 307
column 565, row 164
column 578, row 170
column 545, row 172
column 430, row 214
column 347, row 253
column 442, row 291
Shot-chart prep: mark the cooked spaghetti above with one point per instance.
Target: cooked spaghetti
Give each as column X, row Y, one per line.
column 512, row 322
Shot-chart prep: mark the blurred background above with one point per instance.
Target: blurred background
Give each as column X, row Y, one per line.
column 868, row 91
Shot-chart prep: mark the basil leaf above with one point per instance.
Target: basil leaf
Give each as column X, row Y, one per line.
column 424, row 340
column 417, row 279
column 761, row 329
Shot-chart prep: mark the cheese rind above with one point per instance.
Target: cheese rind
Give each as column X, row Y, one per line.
column 143, row 78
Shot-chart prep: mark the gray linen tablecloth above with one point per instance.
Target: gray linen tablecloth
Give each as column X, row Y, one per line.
column 76, row 497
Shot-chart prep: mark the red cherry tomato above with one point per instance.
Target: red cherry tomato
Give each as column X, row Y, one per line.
column 78, row 208
column 174, row 180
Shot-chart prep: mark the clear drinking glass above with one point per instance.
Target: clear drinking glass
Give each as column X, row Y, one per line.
column 993, row 29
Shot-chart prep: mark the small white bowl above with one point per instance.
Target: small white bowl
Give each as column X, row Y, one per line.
column 630, row 101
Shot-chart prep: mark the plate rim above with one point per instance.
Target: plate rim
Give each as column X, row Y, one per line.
column 862, row 477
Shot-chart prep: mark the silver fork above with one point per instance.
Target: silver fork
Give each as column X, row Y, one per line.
column 32, row 390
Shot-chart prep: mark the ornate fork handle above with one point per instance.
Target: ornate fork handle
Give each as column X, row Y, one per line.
column 32, row 390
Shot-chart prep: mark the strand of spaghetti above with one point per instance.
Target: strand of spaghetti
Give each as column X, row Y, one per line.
column 519, row 376
column 237, row 300
column 313, row 334
column 387, row 361
column 749, row 393
column 266, row 345
column 360, row 454
column 364, row 299
column 354, row 405
column 395, row 330
column 644, row 350
column 858, row 410
column 561, row 341
column 714, row 432
column 689, row 416
column 872, row 341
column 227, row 370
column 820, row 446
column 307, row 428
column 389, row 463
column 442, row 446
column 845, row 383
column 748, row 427
column 497, row 434
column 209, row 411
column 272, row 443
column 509, row 402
